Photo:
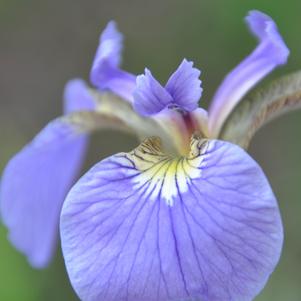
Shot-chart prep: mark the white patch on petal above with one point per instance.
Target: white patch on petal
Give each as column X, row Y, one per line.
column 163, row 176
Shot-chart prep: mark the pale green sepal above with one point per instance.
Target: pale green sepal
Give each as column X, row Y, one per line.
column 90, row 121
column 110, row 105
column 261, row 106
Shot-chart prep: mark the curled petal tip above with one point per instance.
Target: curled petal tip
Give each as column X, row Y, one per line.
column 269, row 54
column 266, row 30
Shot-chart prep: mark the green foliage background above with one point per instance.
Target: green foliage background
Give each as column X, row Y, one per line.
column 45, row 43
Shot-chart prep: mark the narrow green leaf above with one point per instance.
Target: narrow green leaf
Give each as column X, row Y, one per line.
column 261, row 106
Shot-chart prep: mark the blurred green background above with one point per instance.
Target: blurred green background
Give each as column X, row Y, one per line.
column 45, row 43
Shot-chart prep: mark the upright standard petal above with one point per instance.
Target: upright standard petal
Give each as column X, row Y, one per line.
column 184, row 86
column 270, row 53
column 144, row 226
column 105, row 72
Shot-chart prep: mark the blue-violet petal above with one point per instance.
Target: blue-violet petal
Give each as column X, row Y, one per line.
column 270, row 53
column 184, row 86
column 36, row 181
column 143, row 226
column 105, row 73
column 150, row 97
column 77, row 97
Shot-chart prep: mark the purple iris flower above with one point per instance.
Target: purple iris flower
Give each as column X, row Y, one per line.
column 184, row 216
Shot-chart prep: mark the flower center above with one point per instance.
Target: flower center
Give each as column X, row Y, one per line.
column 164, row 176
column 178, row 127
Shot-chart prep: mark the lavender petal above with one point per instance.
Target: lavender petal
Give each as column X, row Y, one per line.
column 270, row 53
column 149, row 96
column 36, row 180
column 77, row 97
column 105, row 73
column 185, row 87
column 136, row 227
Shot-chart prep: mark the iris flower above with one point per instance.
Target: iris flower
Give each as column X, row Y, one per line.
column 186, row 215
